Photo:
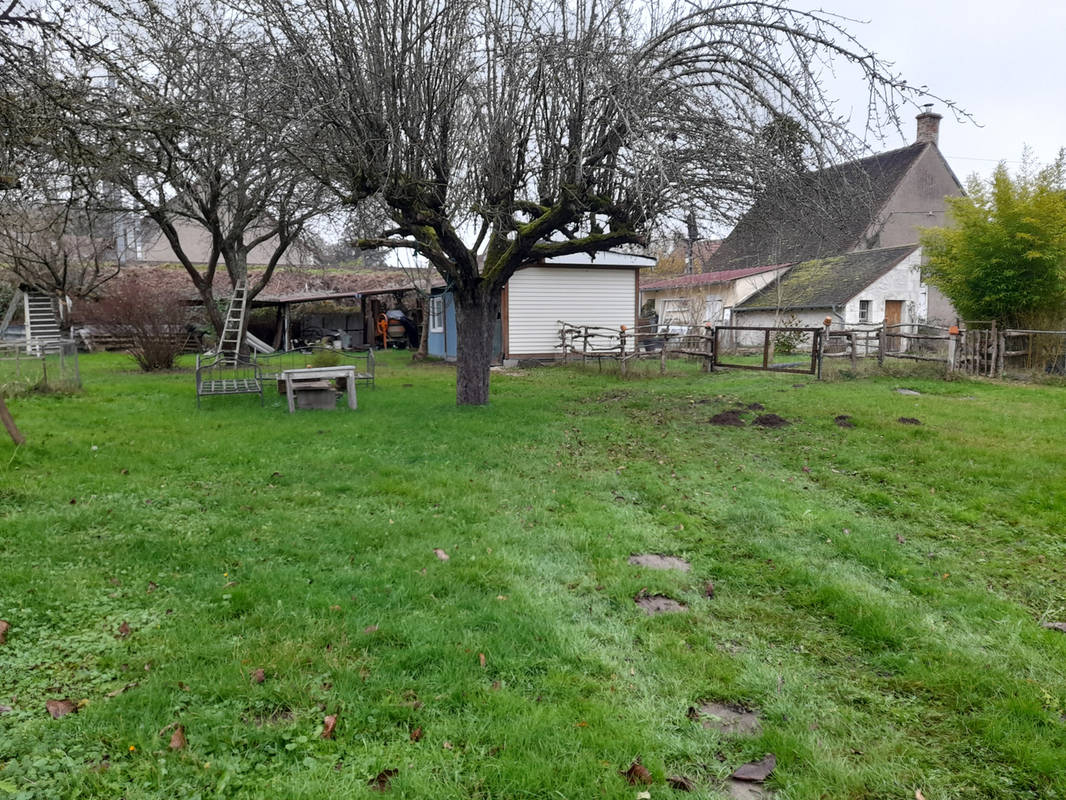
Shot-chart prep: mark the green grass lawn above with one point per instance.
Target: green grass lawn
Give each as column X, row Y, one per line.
column 878, row 590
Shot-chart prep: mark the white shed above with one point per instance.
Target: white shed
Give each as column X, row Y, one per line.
column 601, row 290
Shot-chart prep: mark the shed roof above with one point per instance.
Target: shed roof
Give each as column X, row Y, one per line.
column 708, row 278
column 817, row 214
column 827, row 282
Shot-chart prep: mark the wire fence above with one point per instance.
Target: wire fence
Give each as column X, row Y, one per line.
column 38, row 366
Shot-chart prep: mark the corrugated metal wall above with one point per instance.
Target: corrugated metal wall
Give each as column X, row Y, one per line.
column 538, row 297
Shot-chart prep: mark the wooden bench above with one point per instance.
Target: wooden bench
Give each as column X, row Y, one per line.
column 272, row 365
column 220, row 375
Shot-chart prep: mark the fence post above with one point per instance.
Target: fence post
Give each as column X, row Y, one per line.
column 708, row 346
column 662, row 352
column 953, row 337
column 882, row 344
column 1002, row 347
column 766, row 349
column 851, row 348
column 622, row 349
column 584, row 345
column 994, row 356
column 823, row 340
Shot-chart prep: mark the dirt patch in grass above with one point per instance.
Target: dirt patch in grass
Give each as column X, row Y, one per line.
column 656, row 561
column 771, row 421
column 743, row 790
column 755, row 407
column 731, row 419
column 910, row 421
column 654, row 604
column 843, row 421
column 728, row 719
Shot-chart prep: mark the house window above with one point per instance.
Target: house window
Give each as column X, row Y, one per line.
column 864, row 311
column 436, row 314
column 674, row 312
column 712, row 310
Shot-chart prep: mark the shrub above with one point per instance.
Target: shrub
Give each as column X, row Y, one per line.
column 151, row 323
column 788, row 341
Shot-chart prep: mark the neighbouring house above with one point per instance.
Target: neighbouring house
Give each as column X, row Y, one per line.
column 600, row 290
column 707, row 298
column 146, row 244
column 853, row 290
column 875, row 203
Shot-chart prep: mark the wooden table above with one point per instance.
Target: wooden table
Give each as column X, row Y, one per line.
column 294, row 377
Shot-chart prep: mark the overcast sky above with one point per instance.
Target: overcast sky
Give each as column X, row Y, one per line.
column 1004, row 62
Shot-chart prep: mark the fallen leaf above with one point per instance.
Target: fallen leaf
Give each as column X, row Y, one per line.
column 681, row 783
column 5, row 626
column 5, row 709
column 183, row 686
column 60, row 708
column 918, row 795
column 125, row 688
column 370, row 629
column 178, row 740
column 152, row 586
column 447, row 745
column 416, row 735
column 440, row 554
column 708, row 590
column 380, row 783
column 757, row 771
column 637, row 774
column 1051, row 626
column 328, row 725
column 643, row 795
column 123, row 630
column 901, row 539
column 481, row 658
column 258, row 676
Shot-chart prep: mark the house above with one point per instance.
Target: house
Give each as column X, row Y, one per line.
column 598, row 290
column 853, row 289
column 875, row 203
column 146, row 244
column 704, row 298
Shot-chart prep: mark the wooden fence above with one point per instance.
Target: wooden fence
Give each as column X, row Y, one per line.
column 975, row 348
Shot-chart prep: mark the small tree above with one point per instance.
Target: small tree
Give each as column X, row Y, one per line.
column 1005, row 257
column 153, row 320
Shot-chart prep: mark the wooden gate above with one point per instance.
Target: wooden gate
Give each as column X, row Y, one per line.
column 800, row 365
column 978, row 351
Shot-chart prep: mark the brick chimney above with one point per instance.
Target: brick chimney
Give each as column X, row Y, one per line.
column 928, row 125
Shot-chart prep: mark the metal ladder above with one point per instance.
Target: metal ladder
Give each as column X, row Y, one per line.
column 229, row 344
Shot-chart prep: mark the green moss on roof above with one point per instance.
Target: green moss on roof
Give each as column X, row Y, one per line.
column 827, row 282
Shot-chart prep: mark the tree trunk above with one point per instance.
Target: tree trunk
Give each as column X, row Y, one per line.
column 475, row 318
column 9, row 423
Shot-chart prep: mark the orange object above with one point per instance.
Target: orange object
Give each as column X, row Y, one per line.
column 383, row 331
column 954, row 330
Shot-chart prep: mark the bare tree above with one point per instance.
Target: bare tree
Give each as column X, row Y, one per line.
column 186, row 122
column 502, row 132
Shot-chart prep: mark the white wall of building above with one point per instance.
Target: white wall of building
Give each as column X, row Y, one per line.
column 539, row 297
column 902, row 282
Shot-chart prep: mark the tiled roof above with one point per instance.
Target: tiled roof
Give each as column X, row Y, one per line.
column 708, row 278
column 818, row 214
column 285, row 284
column 827, row 282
